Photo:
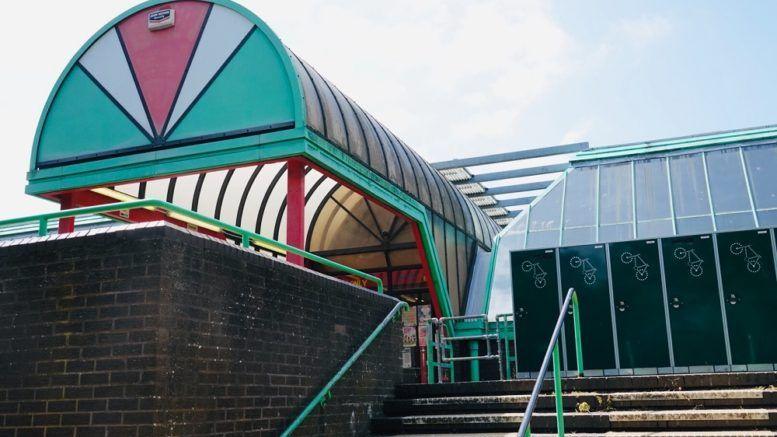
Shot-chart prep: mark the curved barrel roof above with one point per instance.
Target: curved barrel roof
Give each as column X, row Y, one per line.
column 344, row 123
column 219, row 74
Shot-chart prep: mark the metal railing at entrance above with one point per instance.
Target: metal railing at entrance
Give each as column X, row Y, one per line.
column 441, row 347
column 552, row 351
column 246, row 238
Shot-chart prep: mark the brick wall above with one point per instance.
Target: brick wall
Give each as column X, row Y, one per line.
column 156, row 331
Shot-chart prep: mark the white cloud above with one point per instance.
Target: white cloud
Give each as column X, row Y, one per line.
column 579, row 132
column 449, row 77
column 644, row 29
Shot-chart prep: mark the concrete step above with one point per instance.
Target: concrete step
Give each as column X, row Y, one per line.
column 598, row 384
column 601, row 421
column 592, row 401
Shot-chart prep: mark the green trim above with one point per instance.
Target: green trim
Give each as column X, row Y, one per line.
column 296, row 88
column 348, row 169
column 234, row 152
column 673, row 144
column 247, row 237
column 156, row 164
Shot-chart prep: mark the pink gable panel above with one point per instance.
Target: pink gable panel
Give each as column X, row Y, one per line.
column 159, row 57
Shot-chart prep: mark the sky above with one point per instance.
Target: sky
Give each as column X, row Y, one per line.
column 463, row 78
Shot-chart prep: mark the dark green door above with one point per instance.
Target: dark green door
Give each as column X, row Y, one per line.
column 750, row 294
column 694, row 301
column 585, row 269
column 535, row 303
column 639, row 304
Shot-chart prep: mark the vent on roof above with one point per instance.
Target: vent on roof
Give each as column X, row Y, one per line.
column 495, row 212
column 482, row 201
column 470, row 189
column 503, row 221
column 456, row 174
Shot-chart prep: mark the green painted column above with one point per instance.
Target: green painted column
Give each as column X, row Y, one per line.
column 474, row 365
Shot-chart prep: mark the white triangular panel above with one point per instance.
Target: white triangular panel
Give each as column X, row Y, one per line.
column 106, row 62
column 223, row 32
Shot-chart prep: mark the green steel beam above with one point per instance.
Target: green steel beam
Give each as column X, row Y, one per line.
column 671, row 144
column 156, row 164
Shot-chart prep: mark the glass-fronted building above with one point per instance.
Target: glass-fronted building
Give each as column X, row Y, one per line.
column 670, row 245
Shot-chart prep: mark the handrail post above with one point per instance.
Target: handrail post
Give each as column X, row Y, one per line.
column 43, row 227
column 578, row 336
column 552, row 350
column 430, row 363
column 557, row 390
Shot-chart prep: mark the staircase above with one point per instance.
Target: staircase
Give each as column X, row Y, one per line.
column 718, row 404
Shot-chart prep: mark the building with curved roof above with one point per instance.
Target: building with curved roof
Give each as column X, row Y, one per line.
column 215, row 114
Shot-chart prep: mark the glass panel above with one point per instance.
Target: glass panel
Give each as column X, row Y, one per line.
column 624, row 231
column 546, row 212
column 577, row 236
column 439, row 243
column 767, row 218
column 694, row 225
column 501, row 286
column 652, row 188
column 542, row 239
column 463, row 265
column 727, row 181
column 762, row 166
column 735, row 221
column 615, row 194
column 688, row 186
column 477, row 286
column 655, row 228
column 452, row 277
column 580, row 198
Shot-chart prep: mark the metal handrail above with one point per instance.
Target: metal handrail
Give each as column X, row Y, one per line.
column 442, row 341
column 326, row 391
column 524, row 430
column 193, row 218
column 502, row 326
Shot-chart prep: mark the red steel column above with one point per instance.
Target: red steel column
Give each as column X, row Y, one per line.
column 295, row 209
column 67, row 224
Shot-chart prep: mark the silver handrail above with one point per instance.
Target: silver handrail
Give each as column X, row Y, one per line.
column 553, row 350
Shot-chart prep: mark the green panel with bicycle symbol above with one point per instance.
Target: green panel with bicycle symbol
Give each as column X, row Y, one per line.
column 535, row 303
column 585, row 269
column 750, row 294
column 694, row 301
column 639, row 304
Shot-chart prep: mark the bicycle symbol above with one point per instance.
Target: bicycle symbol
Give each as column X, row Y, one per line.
column 752, row 258
column 640, row 266
column 589, row 271
column 694, row 260
column 537, row 272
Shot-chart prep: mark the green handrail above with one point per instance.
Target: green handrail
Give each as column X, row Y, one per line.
column 326, row 391
column 191, row 217
column 553, row 353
